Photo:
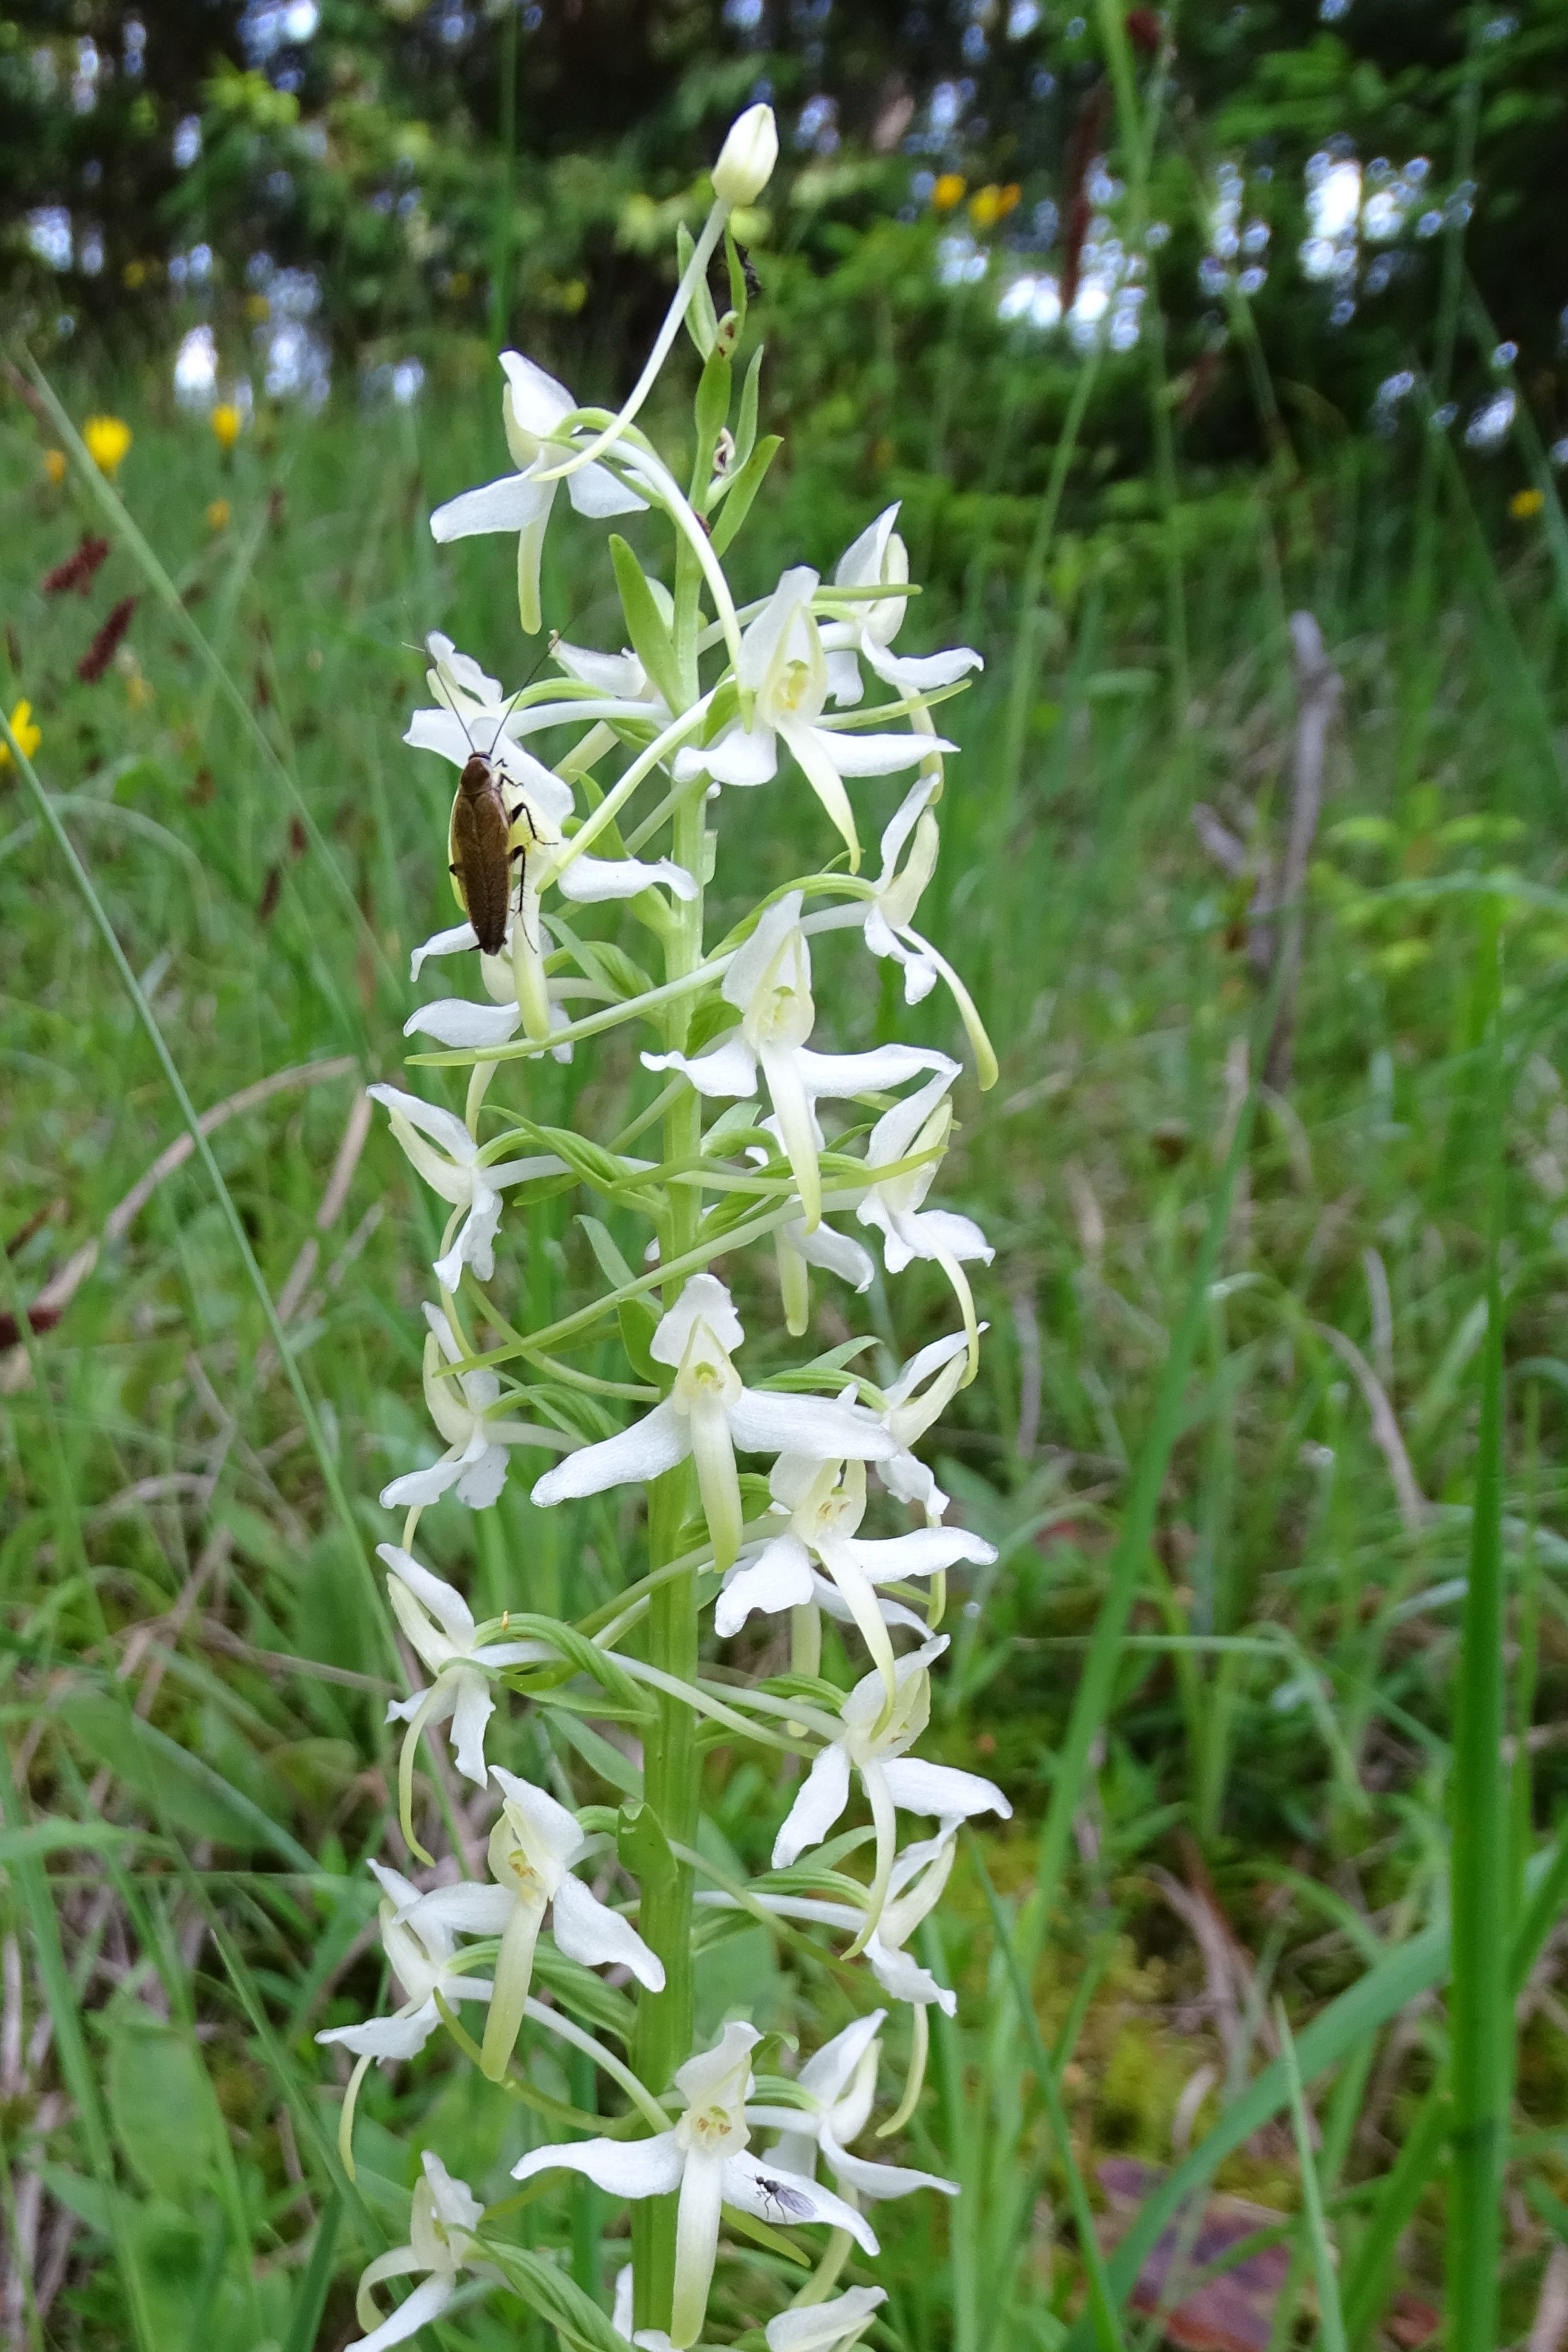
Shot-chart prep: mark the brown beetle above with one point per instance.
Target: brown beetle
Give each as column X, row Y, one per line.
column 481, row 855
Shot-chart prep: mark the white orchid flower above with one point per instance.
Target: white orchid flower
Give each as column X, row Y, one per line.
column 826, row 2326
column 783, row 680
column 914, row 1886
column 895, row 1203
column 460, row 1406
column 872, row 1743
column 769, row 983
column 421, row 1951
column 704, row 2157
column 838, row 2087
column 448, row 1157
column 532, row 406
column 879, row 558
column 533, row 1848
column 457, row 1019
column 710, row 1415
column 887, row 915
column 917, row 1399
column 444, row 2216
column 826, row 1502
column 441, row 1627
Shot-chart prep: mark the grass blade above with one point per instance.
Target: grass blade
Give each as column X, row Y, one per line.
column 1331, row 2323
column 1102, row 2307
column 1479, row 2008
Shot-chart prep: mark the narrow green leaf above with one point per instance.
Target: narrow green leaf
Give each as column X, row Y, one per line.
column 746, row 423
column 747, row 483
column 311, row 2297
column 651, row 640
column 1331, row 2323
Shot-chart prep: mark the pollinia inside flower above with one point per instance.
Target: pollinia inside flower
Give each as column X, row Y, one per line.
column 776, row 1487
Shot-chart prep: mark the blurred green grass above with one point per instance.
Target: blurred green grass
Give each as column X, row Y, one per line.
column 194, row 1674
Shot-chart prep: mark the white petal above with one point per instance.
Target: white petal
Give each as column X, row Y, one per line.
column 904, row 1978
column 443, row 1126
column 422, row 1487
column 726, row 1070
column 921, row 673
column 818, row 2326
column 427, row 2302
column 620, row 674
column 704, row 1299
column 473, row 1710
column 764, row 635
column 762, row 1421
column 824, row 1793
column 511, row 504
column 623, row 2167
column 738, row 757
column 960, row 1237
column 877, row 2180
column 829, row 2069
column 751, row 2188
column 443, row 1602
column 483, row 1474
column 779, row 1579
column 839, row 1253
column 650, row 1446
column 387, row 2037
column 595, row 491
column 467, row 1908
column 930, row 1359
column 877, row 755
column 442, row 731
column 456, row 1021
column 462, row 936
column 590, row 880
column 845, row 684
column 552, row 1828
column 840, row 1074
column 860, row 565
column 589, row 1931
column 921, row 1553
column 539, row 401
column 942, row 1790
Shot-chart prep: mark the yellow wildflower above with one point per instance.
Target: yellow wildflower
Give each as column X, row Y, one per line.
column 989, row 204
column 55, row 466
column 134, row 275
column 948, row 193
column 108, row 438
column 217, row 515
column 27, row 735
column 1525, row 505
column 226, row 423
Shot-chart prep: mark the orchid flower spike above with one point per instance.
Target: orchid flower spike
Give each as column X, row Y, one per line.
column 704, row 2159
column 710, row 1415
column 769, row 983
column 872, row 1743
column 443, row 1151
column 880, row 560
column 888, row 917
column 460, row 1406
column 783, row 681
column 921, row 1125
column 441, row 2223
column 826, row 2326
column 532, row 1849
column 533, row 408
column 825, row 1502
column 837, row 2088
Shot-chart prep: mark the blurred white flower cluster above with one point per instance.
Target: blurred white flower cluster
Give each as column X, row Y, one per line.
column 600, row 784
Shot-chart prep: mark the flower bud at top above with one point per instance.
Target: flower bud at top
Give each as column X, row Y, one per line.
column 746, row 160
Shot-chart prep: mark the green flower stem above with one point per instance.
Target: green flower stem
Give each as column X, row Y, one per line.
column 661, row 2040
